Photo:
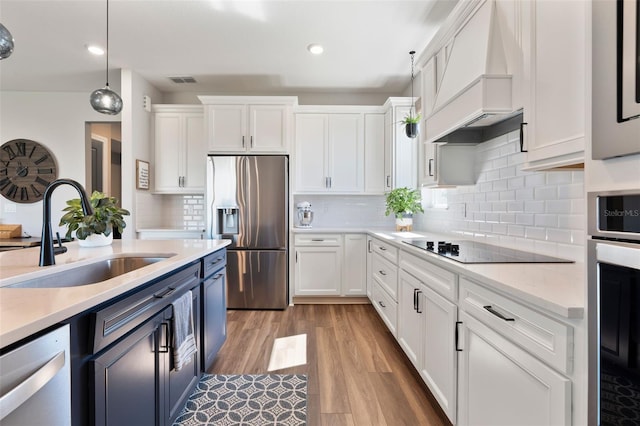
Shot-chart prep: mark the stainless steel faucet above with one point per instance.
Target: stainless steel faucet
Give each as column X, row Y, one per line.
column 47, row 253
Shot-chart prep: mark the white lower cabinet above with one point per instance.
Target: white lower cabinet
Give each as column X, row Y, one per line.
column 330, row 265
column 487, row 358
column 426, row 332
column 318, row 271
column 501, row 384
column 354, row 278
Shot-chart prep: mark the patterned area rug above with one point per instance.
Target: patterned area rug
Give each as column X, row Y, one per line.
column 619, row 397
column 269, row 399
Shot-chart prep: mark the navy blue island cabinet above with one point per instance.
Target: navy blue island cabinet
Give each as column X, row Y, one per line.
column 122, row 370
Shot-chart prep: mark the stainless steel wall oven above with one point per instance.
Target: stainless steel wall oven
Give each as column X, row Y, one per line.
column 614, row 307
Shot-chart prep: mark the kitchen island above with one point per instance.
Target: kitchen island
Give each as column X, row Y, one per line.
column 25, row 311
column 119, row 319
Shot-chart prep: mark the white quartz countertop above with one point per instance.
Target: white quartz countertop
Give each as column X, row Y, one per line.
column 24, row 311
column 556, row 288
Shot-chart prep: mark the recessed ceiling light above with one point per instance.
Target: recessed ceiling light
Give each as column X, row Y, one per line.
column 315, row 48
column 96, row 50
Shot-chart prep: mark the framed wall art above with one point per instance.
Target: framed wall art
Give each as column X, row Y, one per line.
column 142, row 174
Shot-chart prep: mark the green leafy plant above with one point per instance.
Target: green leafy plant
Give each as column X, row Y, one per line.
column 106, row 216
column 401, row 201
column 411, row 119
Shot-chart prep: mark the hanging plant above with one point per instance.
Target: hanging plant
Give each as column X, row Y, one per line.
column 411, row 124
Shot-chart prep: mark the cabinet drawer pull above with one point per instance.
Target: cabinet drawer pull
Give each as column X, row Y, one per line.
column 382, row 248
column 216, row 276
column 382, row 272
column 381, row 304
column 317, row 240
column 165, row 293
column 498, row 314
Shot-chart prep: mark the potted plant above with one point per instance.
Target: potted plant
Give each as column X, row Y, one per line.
column 96, row 229
column 403, row 203
column 411, row 124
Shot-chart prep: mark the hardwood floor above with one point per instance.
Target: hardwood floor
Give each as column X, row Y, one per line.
column 357, row 373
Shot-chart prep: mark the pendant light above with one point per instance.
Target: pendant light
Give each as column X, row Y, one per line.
column 411, row 121
column 6, row 42
column 105, row 100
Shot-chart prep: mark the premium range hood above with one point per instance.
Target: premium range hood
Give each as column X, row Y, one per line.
column 475, row 90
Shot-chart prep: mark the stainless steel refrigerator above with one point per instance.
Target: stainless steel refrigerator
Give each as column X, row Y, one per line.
column 247, row 203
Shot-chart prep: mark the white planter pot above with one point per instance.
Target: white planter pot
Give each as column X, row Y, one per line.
column 404, row 224
column 96, row 240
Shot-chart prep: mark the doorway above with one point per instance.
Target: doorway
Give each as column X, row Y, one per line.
column 103, row 159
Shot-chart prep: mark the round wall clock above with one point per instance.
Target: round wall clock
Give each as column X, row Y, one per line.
column 26, row 169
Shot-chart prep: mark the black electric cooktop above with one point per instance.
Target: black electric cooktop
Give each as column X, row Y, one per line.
column 474, row 252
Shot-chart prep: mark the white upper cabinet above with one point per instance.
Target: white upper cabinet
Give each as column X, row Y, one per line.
column 555, row 49
column 374, row 153
column 447, row 165
column 401, row 152
column 241, row 124
column 179, row 149
column 329, row 153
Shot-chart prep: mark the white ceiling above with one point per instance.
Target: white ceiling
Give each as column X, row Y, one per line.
column 235, row 47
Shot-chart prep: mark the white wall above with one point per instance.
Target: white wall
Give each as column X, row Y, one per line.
column 136, row 145
column 56, row 120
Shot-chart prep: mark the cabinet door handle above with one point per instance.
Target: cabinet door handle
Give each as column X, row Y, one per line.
column 522, row 137
column 418, row 293
column 251, row 141
column 381, row 304
column 369, row 246
column 382, row 272
column 329, row 182
column 498, row 314
column 457, row 336
column 430, row 166
column 165, row 348
column 388, row 183
column 415, row 298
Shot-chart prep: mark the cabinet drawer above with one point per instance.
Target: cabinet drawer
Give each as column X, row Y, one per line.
column 214, row 262
column 385, row 250
column 328, row 240
column 438, row 279
column 544, row 337
column 386, row 307
column 386, row 274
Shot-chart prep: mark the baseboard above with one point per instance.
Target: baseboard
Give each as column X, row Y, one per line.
column 330, row 300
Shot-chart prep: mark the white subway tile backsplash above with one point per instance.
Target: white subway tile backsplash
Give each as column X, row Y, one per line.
column 546, row 220
column 558, row 206
column 545, row 193
column 574, row 190
column 534, row 206
column 536, row 211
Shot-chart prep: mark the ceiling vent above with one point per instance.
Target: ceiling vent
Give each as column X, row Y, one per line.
column 476, row 89
column 181, row 80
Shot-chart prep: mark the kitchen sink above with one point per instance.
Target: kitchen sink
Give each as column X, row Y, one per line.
column 92, row 273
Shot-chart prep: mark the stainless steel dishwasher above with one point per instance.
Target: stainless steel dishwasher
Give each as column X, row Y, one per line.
column 35, row 382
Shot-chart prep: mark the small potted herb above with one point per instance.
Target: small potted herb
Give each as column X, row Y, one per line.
column 411, row 123
column 96, row 229
column 403, row 203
